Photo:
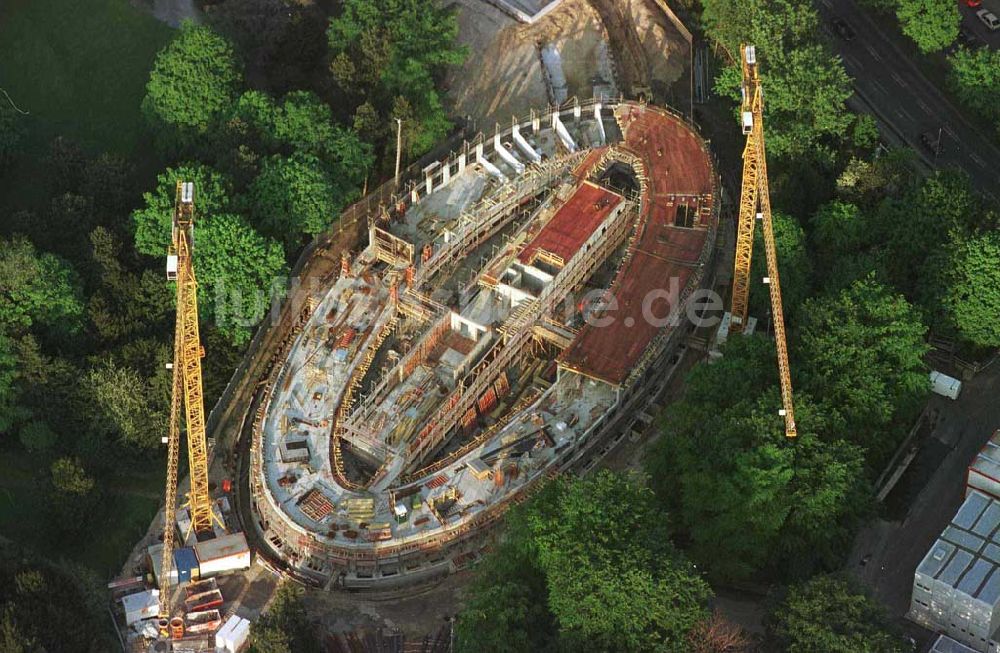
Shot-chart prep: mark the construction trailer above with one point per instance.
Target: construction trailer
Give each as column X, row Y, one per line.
column 956, row 588
column 222, row 555
column 140, row 606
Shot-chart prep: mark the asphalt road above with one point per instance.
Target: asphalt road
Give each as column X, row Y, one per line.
column 897, row 547
column 908, row 103
column 971, row 23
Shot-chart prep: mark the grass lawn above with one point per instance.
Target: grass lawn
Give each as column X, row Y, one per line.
column 79, row 69
column 130, row 503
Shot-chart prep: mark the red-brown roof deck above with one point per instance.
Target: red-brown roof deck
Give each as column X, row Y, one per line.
column 673, row 229
column 573, row 223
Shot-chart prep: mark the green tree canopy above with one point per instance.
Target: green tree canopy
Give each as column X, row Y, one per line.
column 193, row 83
column 127, row 406
column 972, row 298
column 393, row 50
column 9, row 390
column 917, row 224
column 838, row 228
column 12, row 132
column 212, row 193
column 932, row 24
column 237, row 269
column 124, row 305
column 749, row 500
column 612, row 579
column 975, row 77
column 805, row 85
column 37, row 436
column 284, row 628
column 37, row 290
column 303, row 123
column 862, row 352
column 47, row 608
column 294, row 196
column 828, row 614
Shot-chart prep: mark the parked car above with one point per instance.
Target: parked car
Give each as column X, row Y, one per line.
column 931, row 139
column 843, row 29
column 969, row 40
column 989, row 19
column 973, row 3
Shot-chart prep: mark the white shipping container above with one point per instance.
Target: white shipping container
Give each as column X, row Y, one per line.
column 142, row 605
column 221, row 636
column 237, row 638
column 945, row 385
column 222, row 554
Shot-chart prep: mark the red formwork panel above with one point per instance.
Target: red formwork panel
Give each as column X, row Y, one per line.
column 663, row 258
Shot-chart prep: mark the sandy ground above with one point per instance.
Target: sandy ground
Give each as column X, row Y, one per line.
column 624, row 43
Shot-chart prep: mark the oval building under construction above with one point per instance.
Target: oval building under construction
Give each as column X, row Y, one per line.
column 511, row 315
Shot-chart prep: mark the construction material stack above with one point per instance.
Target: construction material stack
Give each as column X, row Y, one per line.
column 956, row 588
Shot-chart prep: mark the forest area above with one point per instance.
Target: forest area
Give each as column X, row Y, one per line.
column 282, row 113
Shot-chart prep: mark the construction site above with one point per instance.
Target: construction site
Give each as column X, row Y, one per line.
column 515, row 310
column 503, row 315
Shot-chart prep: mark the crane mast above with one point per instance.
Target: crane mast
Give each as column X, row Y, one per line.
column 186, row 389
column 755, row 203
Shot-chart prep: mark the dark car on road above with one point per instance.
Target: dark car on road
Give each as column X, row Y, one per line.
column 931, row 140
column 843, row 29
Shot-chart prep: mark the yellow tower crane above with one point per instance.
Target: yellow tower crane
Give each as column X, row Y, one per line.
column 755, row 202
column 186, row 370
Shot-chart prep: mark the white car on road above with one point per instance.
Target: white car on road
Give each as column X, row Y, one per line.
column 989, row 19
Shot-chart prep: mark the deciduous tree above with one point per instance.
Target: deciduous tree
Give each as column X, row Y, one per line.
column 975, row 76
column 12, row 131
column 284, row 628
column 152, row 222
column 238, row 270
column 748, row 500
column 612, row 579
column 37, row 290
column 828, row 614
column 294, row 196
column 862, row 354
column 397, row 49
column 193, row 83
column 126, row 406
column 932, row 24
column 972, row 298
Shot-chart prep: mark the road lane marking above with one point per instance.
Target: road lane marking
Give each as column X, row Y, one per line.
column 951, row 133
column 922, row 105
column 852, row 61
column 896, row 78
column 903, row 113
column 878, row 86
column 978, row 159
column 873, row 52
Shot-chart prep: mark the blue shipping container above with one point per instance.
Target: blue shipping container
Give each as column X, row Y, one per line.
column 187, row 565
